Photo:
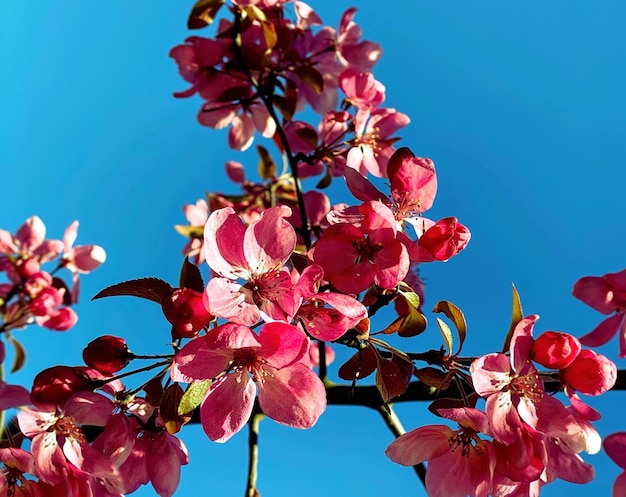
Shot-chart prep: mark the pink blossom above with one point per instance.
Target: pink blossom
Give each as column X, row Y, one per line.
column 30, row 240
column 15, row 463
column 355, row 257
column 319, row 321
column 373, row 144
column 606, row 294
column 514, row 391
column 197, row 215
column 57, row 441
column 460, row 463
column 237, row 360
column 255, row 254
column 444, row 239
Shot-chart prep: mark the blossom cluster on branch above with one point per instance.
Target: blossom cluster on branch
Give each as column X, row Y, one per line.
column 291, row 273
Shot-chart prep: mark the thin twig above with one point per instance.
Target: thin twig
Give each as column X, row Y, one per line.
column 253, row 453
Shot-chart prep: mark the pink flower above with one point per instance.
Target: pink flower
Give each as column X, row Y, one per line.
column 30, row 240
column 460, row 463
column 615, row 447
column 237, row 360
column 255, row 254
column 57, row 440
column 446, row 238
column 197, row 215
column 373, row 144
column 606, row 294
column 355, row 257
column 514, row 391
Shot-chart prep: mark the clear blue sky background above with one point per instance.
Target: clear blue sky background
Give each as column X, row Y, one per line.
column 520, row 105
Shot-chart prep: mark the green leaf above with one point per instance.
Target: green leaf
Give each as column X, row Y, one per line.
column 203, row 13
column 516, row 316
column 190, row 276
column 455, row 315
column 193, row 396
column 146, row 288
column 20, row 356
column 413, row 323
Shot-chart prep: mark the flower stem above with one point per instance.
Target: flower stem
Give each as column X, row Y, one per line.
column 395, row 425
column 253, row 453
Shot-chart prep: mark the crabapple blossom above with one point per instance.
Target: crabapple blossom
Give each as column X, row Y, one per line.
column 460, row 463
column 446, row 238
column 590, row 373
column 237, row 359
column 107, row 354
column 255, row 254
column 355, row 257
column 184, row 308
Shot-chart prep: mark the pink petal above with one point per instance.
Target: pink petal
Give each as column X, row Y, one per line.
column 293, row 396
column 270, row 241
column 89, row 408
column 241, row 134
column 227, row 406
column 13, row 396
column 595, row 292
column 361, row 188
column 226, row 299
column 163, row 460
column 602, row 333
column 31, row 234
column 223, row 247
column 283, row 344
column 619, row 487
column 419, row 445
column 490, row 373
column 196, row 361
column 522, row 342
column 69, row 237
column 49, row 457
column 615, row 447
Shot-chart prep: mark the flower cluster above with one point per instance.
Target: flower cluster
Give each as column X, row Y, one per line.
column 290, row 272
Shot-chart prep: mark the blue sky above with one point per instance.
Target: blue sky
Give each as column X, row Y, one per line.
column 520, row 106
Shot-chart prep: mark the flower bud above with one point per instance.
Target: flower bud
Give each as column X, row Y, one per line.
column 555, row 350
column 184, row 308
column 447, row 237
column 107, row 354
column 590, row 373
column 55, row 385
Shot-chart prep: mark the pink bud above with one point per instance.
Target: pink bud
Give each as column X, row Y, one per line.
column 447, row 237
column 59, row 320
column 55, row 385
column 555, row 350
column 184, row 308
column 590, row 373
column 107, row 354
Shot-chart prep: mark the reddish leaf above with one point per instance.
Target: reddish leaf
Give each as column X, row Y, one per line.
column 169, row 409
column 154, row 391
column 433, row 377
column 391, row 378
column 146, row 288
column 360, row 365
column 190, row 276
